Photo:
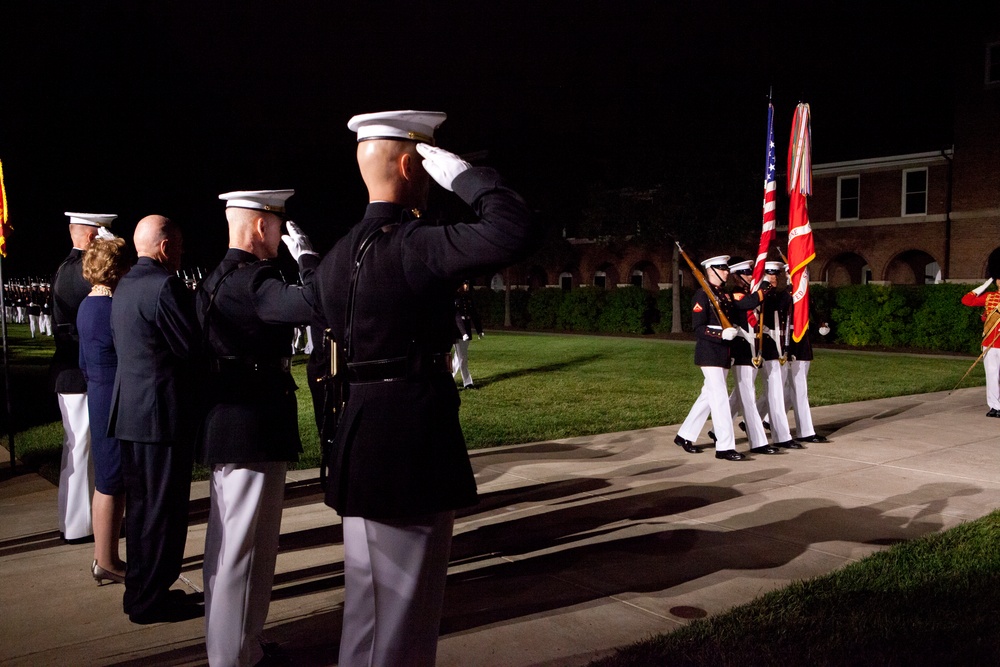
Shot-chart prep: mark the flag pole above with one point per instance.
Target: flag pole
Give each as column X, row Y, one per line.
column 6, row 372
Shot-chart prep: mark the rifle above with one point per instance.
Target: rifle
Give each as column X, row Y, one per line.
column 700, row 277
column 334, row 398
column 758, row 341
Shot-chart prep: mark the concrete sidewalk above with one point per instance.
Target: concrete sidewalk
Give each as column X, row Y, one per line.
column 577, row 547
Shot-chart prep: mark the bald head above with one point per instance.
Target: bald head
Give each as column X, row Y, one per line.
column 159, row 238
column 393, row 172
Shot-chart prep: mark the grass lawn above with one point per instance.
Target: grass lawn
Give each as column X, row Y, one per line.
column 930, row 601
column 535, row 387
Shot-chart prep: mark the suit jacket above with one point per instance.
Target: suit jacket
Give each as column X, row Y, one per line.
column 156, row 337
column 399, row 450
column 69, row 289
column 248, row 312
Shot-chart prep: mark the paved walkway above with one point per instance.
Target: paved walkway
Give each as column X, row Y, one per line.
column 578, row 546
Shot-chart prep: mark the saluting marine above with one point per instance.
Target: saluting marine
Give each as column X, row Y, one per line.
column 990, row 303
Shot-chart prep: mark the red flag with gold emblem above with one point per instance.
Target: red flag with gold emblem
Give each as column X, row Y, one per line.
column 801, row 249
column 4, row 226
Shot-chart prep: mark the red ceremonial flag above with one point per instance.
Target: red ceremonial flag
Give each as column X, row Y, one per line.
column 801, row 250
column 4, row 227
column 767, row 231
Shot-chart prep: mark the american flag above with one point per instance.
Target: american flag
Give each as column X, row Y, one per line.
column 767, row 231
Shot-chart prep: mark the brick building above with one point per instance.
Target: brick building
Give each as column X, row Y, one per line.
column 913, row 218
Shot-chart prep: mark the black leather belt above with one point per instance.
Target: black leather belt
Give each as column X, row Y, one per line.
column 250, row 364
column 398, row 368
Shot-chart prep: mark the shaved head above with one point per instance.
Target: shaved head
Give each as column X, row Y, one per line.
column 393, row 171
column 158, row 237
column 254, row 231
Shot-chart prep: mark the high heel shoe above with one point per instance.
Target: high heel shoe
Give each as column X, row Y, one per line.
column 100, row 575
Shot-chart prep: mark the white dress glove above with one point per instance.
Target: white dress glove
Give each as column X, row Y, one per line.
column 105, row 233
column 442, row 166
column 729, row 333
column 982, row 288
column 297, row 242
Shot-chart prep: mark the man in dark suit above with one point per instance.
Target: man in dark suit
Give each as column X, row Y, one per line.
column 251, row 430
column 399, row 467
column 156, row 338
column 69, row 289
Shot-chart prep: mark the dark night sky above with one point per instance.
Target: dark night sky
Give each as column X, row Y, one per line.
column 157, row 107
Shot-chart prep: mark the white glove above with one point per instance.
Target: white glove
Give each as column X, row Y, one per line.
column 982, row 288
column 442, row 166
column 729, row 333
column 105, row 233
column 297, row 242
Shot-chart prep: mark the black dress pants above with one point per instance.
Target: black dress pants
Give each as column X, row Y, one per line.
column 157, row 490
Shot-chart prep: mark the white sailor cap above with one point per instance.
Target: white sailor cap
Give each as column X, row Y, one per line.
column 408, row 125
column 745, row 266
column 91, row 219
column 272, row 201
column 721, row 262
column 774, row 267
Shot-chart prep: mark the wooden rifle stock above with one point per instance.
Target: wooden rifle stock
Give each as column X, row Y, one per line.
column 700, row 277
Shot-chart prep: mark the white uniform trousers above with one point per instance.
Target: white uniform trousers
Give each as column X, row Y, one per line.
column 772, row 400
column 714, row 400
column 241, row 547
column 76, row 472
column 743, row 401
column 460, row 362
column 34, row 325
column 991, row 364
column 797, row 397
column 394, row 578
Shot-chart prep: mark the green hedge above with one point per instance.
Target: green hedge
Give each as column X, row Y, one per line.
column 927, row 317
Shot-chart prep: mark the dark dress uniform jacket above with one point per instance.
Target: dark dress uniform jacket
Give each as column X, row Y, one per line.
column 710, row 349
column 739, row 304
column 156, row 338
column 69, row 289
column 803, row 350
column 252, row 415
column 776, row 302
column 399, row 451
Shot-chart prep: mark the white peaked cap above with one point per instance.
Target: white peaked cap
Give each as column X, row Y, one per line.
column 741, row 266
column 91, row 219
column 258, row 200
column 774, row 266
column 408, row 125
column 720, row 260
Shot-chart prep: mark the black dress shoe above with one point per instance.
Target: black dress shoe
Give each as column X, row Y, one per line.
column 743, row 426
column 686, row 444
column 789, row 444
column 730, row 455
column 813, row 438
column 711, row 434
column 765, row 449
column 767, row 425
column 993, row 413
column 168, row 612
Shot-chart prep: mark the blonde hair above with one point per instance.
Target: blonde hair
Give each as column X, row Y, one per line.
column 104, row 262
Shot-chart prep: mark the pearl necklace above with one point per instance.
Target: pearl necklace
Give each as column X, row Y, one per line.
column 100, row 290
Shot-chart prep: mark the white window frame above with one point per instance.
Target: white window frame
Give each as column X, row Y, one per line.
column 927, row 185
column 992, row 64
column 840, row 180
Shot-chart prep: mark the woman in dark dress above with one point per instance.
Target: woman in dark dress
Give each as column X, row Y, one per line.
column 104, row 263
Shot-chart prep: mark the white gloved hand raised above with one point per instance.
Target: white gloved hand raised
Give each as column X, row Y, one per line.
column 297, row 242
column 729, row 333
column 442, row 166
column 105, row 233
column 982, row 288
